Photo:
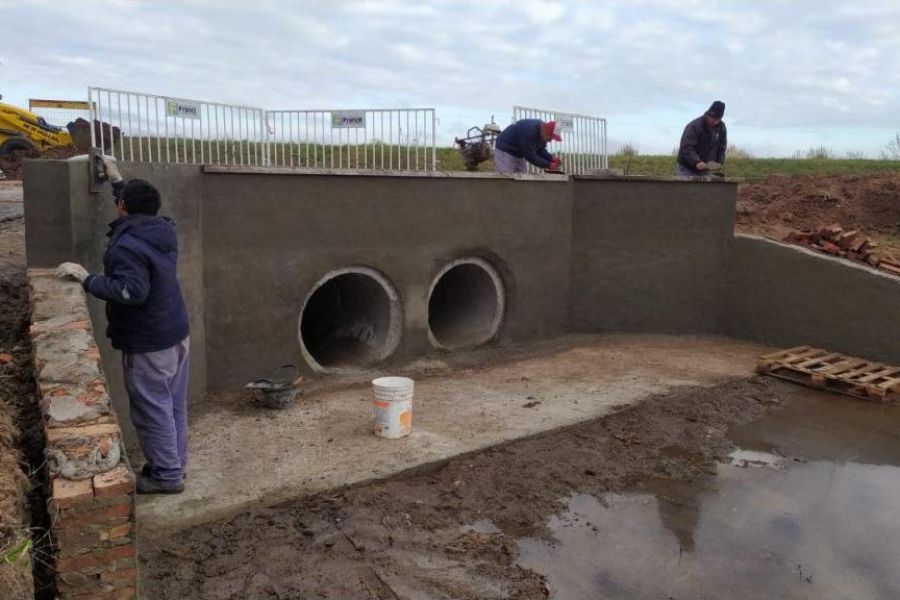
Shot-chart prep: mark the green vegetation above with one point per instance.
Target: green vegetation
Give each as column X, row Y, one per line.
column 815, row 161
column 755, row 168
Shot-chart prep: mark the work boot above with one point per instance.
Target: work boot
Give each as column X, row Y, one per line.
column 145, row 471
column 149, row 485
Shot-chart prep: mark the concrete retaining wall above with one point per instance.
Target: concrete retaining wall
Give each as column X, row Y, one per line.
column 650, row 255
column 787, row 296
column 584, row 254
column 270, row 238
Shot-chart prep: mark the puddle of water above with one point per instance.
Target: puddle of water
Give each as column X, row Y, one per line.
column 818, row 519
column 482, row 526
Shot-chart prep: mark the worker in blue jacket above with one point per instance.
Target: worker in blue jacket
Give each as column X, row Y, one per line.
column 147, row 321
column 525, row 142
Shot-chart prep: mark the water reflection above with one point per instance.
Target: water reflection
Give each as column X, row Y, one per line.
column 806, row 510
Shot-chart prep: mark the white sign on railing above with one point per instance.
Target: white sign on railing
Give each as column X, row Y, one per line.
column 184, row 109
column 565, row 123
column 348, row 119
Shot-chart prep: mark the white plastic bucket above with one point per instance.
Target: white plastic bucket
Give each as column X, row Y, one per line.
column 393, row 406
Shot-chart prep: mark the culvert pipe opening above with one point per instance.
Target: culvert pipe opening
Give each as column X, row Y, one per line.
column 350, row 320
column 466, row 304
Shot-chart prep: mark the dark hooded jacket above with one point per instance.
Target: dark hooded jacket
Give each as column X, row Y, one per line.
column 699, row 143
column 523, row 139
column 144, row 307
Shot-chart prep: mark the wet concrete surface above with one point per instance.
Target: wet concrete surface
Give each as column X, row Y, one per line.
column 243, row 456
column 805, row 508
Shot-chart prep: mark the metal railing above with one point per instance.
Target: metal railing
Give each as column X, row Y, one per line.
column 583, row 148
column 149, row 128
column 384, row 139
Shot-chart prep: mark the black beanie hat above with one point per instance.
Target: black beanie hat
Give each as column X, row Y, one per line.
column 717, row 109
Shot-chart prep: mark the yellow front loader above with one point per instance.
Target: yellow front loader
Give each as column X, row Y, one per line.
column 24, row 130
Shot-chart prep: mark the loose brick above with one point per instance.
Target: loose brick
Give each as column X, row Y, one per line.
column 88, row 431
column 73, row 581
column 68, row 493
column 94, row 559
column 120, row 575
column 75, row 540
column 117, row 482
column 112, row 515
column 118, row 531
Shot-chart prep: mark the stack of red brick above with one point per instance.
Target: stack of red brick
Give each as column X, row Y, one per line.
column 91, row 503
column 94, row 534
column 850, row 244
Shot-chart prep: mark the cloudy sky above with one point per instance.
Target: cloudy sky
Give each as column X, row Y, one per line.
column 793, row 73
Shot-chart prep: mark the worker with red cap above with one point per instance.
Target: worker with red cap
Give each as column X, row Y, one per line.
column 525, row 142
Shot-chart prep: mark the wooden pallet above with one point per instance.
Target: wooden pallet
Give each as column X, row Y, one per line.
column 835, row 372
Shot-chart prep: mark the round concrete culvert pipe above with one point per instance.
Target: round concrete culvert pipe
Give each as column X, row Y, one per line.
column 352, row 319
column 466, row 304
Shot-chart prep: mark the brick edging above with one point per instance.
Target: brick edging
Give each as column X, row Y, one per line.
column 91, row 499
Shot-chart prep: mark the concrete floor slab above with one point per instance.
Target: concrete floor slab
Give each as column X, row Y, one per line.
column 243, row 455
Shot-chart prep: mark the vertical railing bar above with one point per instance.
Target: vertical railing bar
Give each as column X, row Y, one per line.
column 93, row 115
column 112, row 140
column 99, row 120
column 137, row 102
column 156, row 128
column 122, row 125
column 291, row 123
column 149, row 140
column 166, row 126
column 231, row 137
column 218, row 147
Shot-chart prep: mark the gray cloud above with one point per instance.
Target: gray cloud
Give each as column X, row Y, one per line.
column 803, row 64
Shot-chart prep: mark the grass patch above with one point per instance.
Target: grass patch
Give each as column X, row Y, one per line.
column 758, row 168
column 815, row 161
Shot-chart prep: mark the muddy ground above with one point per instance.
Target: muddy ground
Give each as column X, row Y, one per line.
column 406, row 537
column 780, row 204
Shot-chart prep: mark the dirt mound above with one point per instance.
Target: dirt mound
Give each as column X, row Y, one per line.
column 780, row 203
column 11, row 163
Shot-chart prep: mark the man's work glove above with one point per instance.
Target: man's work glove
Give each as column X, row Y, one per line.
column 111, row 169
column 555, row 163
column 70, row 270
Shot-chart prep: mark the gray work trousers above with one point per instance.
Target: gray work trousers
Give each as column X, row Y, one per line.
column 157, row 386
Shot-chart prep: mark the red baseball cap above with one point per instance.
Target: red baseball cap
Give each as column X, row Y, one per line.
column 551, row 129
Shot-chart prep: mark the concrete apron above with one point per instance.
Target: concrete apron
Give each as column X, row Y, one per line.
column 243, row 456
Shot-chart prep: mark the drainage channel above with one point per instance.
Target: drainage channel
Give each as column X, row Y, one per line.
column 352, row 319
column 466, row 305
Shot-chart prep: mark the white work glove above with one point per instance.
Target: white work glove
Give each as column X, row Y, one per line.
column 111, row 168
column 70, row 270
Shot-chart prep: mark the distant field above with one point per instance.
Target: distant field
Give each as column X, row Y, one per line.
column 449, row 159
column 755, row 168
column 751, row 168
